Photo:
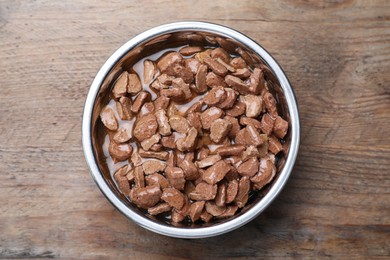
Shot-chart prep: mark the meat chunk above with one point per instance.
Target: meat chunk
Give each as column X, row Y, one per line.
column 230, row 150
column 209, row 115
column 196, row 209
column 253, row 105
column 179, row 124
column 231, row 191
column 213, row 80
column 149, row 71
column 270, row 104
column 208, row 161
column 120, row 152
column 134, row 84
column 219, row 129
column 253, row 137
column 145, row 197
column 122, row 181
column 249, row 167
column 237, row 84
column 216, row 67
column 108, row 118
column 175, row 176
column 200, row 79
column 274, row 145
column 216, row 172
column 220, row 198
column 173, row 197
column 153, row 166
column 159, row 208
column 204, row 191
column 157, row 179
column 214, row 96
column 139, row 101
column 164, row 128
column 120, row 86
column 145, row 127
column 236, row 110
column 280, row 127
column 243, row 190
column 148, row 143
column 266, row 173
column 267, row 124
column 228, row 102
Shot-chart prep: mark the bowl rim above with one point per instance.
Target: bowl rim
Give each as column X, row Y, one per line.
column 212, row 230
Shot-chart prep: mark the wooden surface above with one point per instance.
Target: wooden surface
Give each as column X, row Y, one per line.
column 337, row 56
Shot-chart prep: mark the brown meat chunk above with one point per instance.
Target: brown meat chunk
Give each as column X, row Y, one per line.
column 187, row 143
column 267, row 124
column 120, row 152
column 124, row 108
column 208, row 161
column 250, row 121
column 213, row 80
column 139, row 177
column 216, row 67
column 231, row 191
column 139, row 101
column 200, row 79
column 147, row 143
column 161, row 103
column 274, row 145
column 228, row 102
column 157, row 179
column 215, row 96
column 256, row 81
column 120, row 86
column 161, row 155
column 122, row 181
column 226, row 65
column 153, row 166
column 236, row 110
column 166, row 64
column 216, row 172
column 149, row 71
column 241, row 137
column 190, row 50
column 235, row 126
column 180, row 84
column 194, row 120
column 205, row 216
column 238, row 63
column 146, row 108
column 220, row 198
column 136, row 159
column 219, row 129
column 108, row 118
column 175, row 94
column 229, row 212
column 249, row 167
column 253, row 136
column 237, row 84
column 169, row 141
column 210, row 115
column 280, row 127
column 164, row 128
column 190, row 170
column 175, row 176
column 213, row 209
column 123, row 134
column 250, row 152
column 145, row 127
column 159, row 208
column 179, row 124
column 253, row 105
column 173, row 197
column 230, row 150
column 221, row 54
column 266, row 173
column 243, row 190
column 270, row 104
column 134, row 84
column 192, row 64
column 242, row 73
column 196, row 209
column 204, row 191
column 145, row 197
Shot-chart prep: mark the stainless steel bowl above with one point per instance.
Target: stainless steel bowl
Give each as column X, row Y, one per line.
column 171, row 35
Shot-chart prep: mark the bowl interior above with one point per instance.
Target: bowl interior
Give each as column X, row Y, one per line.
column 175, row 40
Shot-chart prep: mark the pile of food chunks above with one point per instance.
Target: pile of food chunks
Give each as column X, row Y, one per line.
column 199, row 164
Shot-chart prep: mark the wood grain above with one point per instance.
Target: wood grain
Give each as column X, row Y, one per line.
column 337, row 56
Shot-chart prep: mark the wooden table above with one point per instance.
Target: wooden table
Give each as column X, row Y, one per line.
column 337, row 201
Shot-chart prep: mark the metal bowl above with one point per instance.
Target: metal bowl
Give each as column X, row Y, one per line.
column 171, row 35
